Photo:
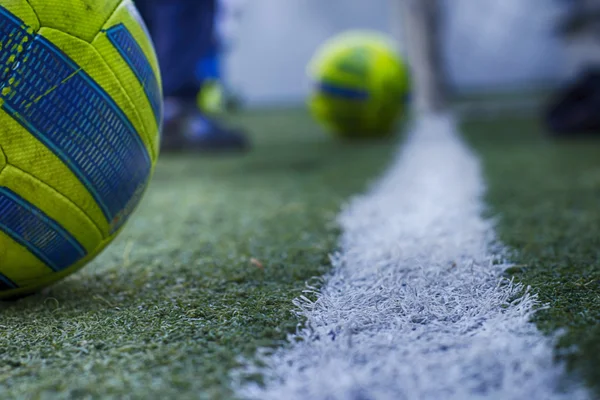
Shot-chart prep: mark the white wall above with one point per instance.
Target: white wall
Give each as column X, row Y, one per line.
column 488, row 42
column 503, row 42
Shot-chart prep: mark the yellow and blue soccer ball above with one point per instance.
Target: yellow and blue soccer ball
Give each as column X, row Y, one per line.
column 80, row 115
column 360, row 85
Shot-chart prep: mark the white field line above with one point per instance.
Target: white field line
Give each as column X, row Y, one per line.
column 415, row 307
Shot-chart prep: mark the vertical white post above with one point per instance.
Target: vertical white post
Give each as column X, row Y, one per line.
column 396, row 12
column 421, row 20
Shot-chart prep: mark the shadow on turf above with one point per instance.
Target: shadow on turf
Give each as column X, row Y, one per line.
column 78, row 292
column 277, row 159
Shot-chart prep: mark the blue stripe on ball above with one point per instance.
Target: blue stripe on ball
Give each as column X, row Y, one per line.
column 41, row 235
column 134, row 56
column 335, row 90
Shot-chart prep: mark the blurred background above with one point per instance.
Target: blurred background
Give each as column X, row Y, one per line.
column 480, row 57
column 484, row 45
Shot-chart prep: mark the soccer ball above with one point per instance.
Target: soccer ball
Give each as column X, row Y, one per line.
column 360, row 85
column 80, row 115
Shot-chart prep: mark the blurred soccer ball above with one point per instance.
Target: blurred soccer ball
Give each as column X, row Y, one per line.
column 360, row 85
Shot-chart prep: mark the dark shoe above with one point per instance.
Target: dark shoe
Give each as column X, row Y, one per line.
column 202, row 134
column 188, row 130
column 576, row 108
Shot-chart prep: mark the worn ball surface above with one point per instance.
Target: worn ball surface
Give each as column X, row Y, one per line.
column 80, row 115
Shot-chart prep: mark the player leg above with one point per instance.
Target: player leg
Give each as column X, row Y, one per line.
column 184, row 36
column 574, row 108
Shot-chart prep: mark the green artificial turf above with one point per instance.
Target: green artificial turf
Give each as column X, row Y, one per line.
column 547, row 196
column 204, row 273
